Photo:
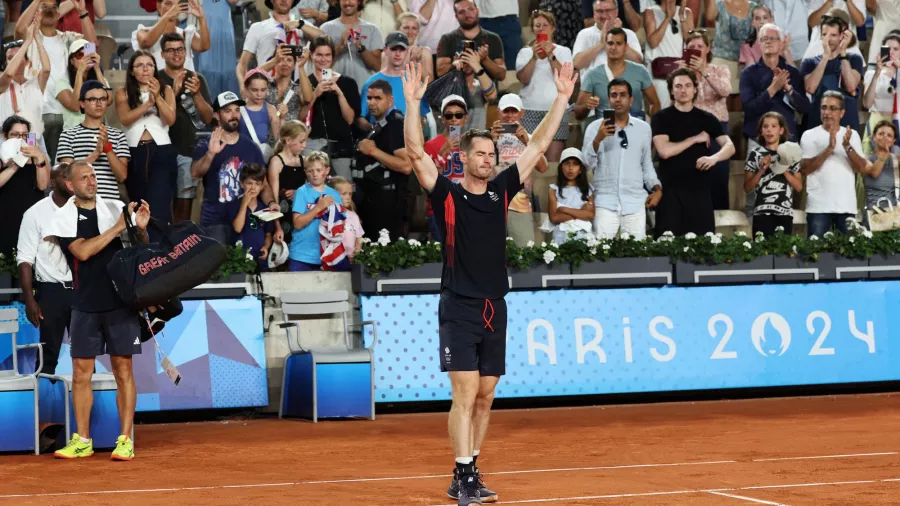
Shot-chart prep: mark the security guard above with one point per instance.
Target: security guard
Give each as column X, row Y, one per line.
column 382, row 170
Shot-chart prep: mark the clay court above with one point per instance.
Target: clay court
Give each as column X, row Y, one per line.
column 814, row 450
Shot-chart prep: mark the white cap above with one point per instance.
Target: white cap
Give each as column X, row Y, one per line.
column 571, row 153
column 789, row 153
column 11, row 149
column 454, row 99
column 77, row 45
column 278, row 254
column 510, row 100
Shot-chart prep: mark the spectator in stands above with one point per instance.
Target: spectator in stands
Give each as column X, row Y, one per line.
column 590, row 45
column 311, row 11
column 250, row 231
column 24, row 175
column 104, row 147
column 881, row 88
column 771, row 84
column 815, row 47
column 382, row 14
column 397, row 57
column 146, row 109
column 752, row 48
column 193, row 111
column 219, row 161
column 310, row 199
column 82, row 68
column 773, row 169
column 284, row 65
column 628, row 12
column 408, row 23
column 56, row 44
column 382, row 168
column 482, row 90
column 264, row 37
column 444, row 149
column 149, row 39
column 792, row 18
column 216, row 63
column 619, row 153
column 535, row 66
column 818, row 10
column 44, row 275
column 286, row 172
column 511, row 138
column 358, row 43
column 353, row 230
column 260, row 120
column 733, row 20
column 22, row 86
column 834, row 70
column 436, row 17
column 595, row 83
column 488, row 44
column 334, row 107
column 830, row 168
column 567, row 17
column 682, row 135
column 712, row 93
column 887, row 18
column 571, row 208
column 500, row 17
column 666, row 24
column 881, row 176
column 70, row 19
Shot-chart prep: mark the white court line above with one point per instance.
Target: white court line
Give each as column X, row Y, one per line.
column 743, row 497
column 428, row 477
column 846, row 455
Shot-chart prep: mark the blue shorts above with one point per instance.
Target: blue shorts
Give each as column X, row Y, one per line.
column 115, row 333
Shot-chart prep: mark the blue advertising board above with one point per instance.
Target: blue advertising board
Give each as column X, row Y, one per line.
column 585, row 342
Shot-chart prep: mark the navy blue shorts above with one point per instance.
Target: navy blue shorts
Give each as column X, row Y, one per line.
column 115, row 333
column 472, row 334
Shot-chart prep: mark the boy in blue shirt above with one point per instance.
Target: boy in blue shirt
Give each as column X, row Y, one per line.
column 249, row 230
column 309, row 200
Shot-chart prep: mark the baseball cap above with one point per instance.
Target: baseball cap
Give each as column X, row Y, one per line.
column 11, row 149
column 510, row 100
column 227, row 98
column 278, row 254
column 77, row 45
column 789, row 153
column 454, row 99
column 395, row 39
column 571, row 153
column 93, row 84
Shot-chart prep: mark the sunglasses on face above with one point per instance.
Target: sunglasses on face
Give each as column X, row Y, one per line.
column 454, row 115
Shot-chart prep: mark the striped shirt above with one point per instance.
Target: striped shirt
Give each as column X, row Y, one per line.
column 79, row 142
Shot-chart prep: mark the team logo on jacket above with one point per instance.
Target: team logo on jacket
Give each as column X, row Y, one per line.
column 493, row 196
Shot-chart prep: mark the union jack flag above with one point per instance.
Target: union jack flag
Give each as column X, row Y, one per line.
column 331, row 230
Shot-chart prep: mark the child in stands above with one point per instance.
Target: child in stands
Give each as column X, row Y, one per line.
column 353, row 231
column 250, row 231
column 309, row 200
column 571, row 198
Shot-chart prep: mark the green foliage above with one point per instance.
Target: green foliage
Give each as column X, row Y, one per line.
column 385, row 256
column 238, row 260
column 8, row 264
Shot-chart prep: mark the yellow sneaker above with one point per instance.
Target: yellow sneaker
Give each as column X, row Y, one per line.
column 124, row 449
column 75, row 449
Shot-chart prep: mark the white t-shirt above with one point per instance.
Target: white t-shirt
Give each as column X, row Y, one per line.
column 884, row 101
column 58, row 54
column 832, row 188
column 156, row 50
column 497, row 8
column 263, row 39
column 539, row 93
column 589, row 37
column 815, row 37
column 29, row 101
column 443, row 20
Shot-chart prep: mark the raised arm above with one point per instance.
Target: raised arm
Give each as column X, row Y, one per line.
column 422, row 164
column 565, row 79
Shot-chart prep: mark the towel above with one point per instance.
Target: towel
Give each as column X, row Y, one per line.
column 64, row 223
column 331, row 228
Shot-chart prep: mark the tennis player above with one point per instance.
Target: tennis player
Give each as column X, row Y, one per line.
column 472, row 311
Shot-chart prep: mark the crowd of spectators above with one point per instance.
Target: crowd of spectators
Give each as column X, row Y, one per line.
column 311, row 120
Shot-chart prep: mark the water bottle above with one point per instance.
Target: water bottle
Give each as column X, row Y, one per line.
column 187, row 101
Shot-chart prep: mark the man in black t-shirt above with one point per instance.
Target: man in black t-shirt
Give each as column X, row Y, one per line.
column 88, row 230
column 472, row 311
column 681, row 135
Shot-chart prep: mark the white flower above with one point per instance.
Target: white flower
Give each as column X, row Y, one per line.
column 593, row 251
column 401, row 239
column 715, row 240
column 383, row 241
column 556, row 246
column 239, row 244
column 625, row 236
column 249, row 256
column 760, row 234
column 606, row 247
column 708, row 234
column 529, row 244
column 543, row 244
column 509, row 239
column 760, row 238
column 828, row 234
column 668, row 233
column 852, row 239
column 779, row 228
column 719, row 235
column 813, row 237
column 867, row 233
column 414, row 243
column 794, row 249
column 549, row 256
column 686, row 249
column 740, row 234
column 385, row 232
column 366, row 240
column 748, row 245
column 690, row 236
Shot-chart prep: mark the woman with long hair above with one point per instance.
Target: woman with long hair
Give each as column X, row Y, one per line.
column 146, row 109
column 286, row 172
column 283, row 66
column 81, row 69
column 881, row 89
column 535, row 67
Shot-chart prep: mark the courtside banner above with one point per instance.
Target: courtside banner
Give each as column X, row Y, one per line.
column 580, row 342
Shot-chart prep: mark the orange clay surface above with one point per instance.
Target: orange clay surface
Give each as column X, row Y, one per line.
column 818, row 450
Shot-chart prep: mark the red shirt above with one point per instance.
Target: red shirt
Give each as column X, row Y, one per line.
column 71, row 22
column 453, row 170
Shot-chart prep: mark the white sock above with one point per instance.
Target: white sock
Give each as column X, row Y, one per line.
column 84, row 440
column 464, row 460
column 475, row 453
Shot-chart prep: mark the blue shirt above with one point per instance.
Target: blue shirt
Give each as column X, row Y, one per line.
column 253, row 235
column 755, row 79
column 305, row 241
column 222, row 182
column 622, row 176
column 832, row 81
column 399, row 99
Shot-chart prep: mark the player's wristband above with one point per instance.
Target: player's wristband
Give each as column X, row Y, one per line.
column 107, row 148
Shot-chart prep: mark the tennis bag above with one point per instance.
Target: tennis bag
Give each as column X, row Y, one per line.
column 152, row 274
column 154, row 320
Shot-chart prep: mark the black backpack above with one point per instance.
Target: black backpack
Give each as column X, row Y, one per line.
column 153, row 274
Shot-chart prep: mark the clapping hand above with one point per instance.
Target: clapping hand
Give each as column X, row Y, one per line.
column 413, row 86
column 565, row 79
column 847, row 136
column 142, row 216
column 192, row 84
